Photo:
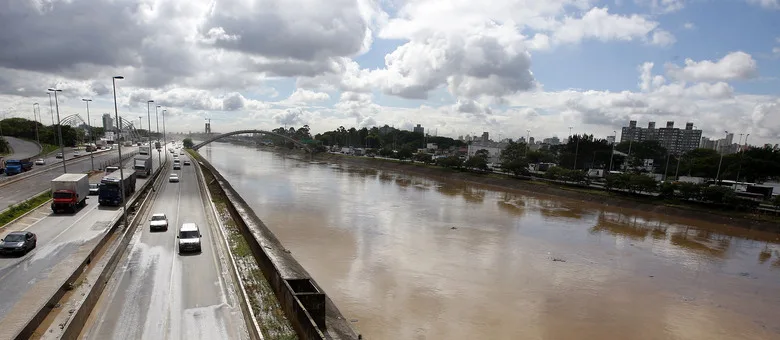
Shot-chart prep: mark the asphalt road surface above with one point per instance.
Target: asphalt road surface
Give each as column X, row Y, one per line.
column 16, row 192
column 25, row 280
column 156, row 293
column 21, row 148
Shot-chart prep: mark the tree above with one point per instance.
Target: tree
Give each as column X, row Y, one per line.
column 188, row 143
column 476, row 162
column 689, row 190
column 450, row 162
column 405, row 153
column 423, row 157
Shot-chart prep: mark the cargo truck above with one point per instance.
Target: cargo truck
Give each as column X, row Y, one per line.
column 142, row 166
column 110, row 191
column 17, row 166
column 69, row 192
column 143, row 150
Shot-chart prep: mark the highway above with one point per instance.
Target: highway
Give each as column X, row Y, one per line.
column 18, row 191
column 23, row 280
column 155, row 293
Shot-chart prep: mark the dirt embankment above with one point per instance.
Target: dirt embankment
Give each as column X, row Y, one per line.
column 551, row 189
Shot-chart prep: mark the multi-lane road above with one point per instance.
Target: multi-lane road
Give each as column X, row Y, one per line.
column 156, row 293
column 15, row 190
column 24, row 280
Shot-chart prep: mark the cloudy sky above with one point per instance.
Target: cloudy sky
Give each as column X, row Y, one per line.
column 455, row 66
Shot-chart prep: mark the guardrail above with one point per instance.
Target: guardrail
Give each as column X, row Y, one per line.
column 43, row 310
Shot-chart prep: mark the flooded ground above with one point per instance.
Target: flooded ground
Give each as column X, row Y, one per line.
column 412, row 258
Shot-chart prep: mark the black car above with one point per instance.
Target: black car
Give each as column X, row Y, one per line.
column 18, row 242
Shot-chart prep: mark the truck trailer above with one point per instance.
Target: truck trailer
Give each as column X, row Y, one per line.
column 17, row 166
column 142, row 166
column 69, row 192
column 144, row 150
column 110, row 190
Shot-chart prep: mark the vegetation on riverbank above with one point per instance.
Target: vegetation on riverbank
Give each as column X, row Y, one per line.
column 270, row 316
column 47, row 149
column 13, row 212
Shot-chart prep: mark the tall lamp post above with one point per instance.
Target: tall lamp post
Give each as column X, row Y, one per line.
column 59, row 128
column 165, row 137
column 121, row 168
column 51, row 109
column 37, row 138
column 717, row 176
column 157, row 120
column 612, row 155
column 149, row 130
column 91, row 135
column 741, row 153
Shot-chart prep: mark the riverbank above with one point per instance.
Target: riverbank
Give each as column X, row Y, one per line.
column 503, row 182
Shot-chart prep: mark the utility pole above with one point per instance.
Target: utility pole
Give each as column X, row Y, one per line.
column 59, row 128
column 717, row 176
column 91, row 133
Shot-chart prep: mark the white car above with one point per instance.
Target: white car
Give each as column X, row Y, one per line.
column 158, row 222
column 40, row 161
column 189, row 238
column 76, row 154
column 173, row 178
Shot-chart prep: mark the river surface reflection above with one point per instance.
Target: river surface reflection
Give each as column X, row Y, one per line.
column 407, row 257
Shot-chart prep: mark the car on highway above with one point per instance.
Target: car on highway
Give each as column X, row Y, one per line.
column 173, row 178
column 158, row 222
column 40, row 161
column 189, row 238
column 110, row 169
column 94, row 188
column 186, row 162
column 181, row 153
column 18, row 242
column 59, row 155
column 76, row 154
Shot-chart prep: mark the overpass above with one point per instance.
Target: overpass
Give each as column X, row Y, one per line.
column 240, row 132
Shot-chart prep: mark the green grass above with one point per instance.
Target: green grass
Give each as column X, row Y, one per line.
column 47, row 149
column 20, row 209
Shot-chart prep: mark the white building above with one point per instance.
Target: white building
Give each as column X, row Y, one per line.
column 494, row 150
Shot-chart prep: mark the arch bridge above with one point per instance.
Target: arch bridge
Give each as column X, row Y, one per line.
column 241, row 132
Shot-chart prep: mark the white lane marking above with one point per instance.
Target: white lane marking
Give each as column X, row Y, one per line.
column 174, row 257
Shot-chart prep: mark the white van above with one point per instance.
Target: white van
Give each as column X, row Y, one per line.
column 189, row 238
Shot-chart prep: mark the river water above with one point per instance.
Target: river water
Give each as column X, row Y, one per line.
column 407, row 257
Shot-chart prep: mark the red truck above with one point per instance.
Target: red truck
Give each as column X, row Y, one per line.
column 69, row 192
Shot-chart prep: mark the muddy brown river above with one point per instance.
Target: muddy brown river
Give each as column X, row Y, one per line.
column 407, row 257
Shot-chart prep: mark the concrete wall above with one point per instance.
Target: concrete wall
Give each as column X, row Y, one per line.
column 311, row 313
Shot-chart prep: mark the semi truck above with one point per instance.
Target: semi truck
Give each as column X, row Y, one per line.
column 110, row 191
column 69, row 192
column 143, row 150
column 142, row 166
column 17, row 166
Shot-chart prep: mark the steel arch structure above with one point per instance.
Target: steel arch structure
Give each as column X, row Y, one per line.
column 240, row 132
column 73, row 120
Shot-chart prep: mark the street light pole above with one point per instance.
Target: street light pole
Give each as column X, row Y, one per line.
column 157, row 119
column 717, row 176
column 613, row 151
column 165, row 137
column 149, row 130
column 576, row 152
column 51, row 110
column 59, row 128
column 91, row 135
column 741, row 153
column 37, row 138
column 121, row 167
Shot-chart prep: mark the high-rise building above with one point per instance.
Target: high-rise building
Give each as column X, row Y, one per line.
column 485, row 137
column 108, row 122
column 675, row 140
column 419, row 129
column 611, row 139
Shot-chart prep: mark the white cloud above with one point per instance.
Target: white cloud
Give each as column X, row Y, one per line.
column 663, row 6
column 689, row 26
column 662, row 38
column 734, row 66
column 599, row 24
column 769, row 4
column 304, row 96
